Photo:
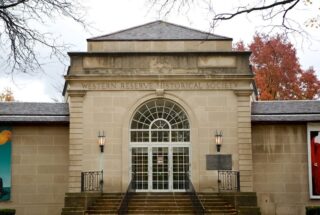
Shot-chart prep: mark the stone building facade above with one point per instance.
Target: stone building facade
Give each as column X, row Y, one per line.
column 159, row 92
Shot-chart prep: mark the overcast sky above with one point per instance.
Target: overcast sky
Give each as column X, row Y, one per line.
column 113, row 15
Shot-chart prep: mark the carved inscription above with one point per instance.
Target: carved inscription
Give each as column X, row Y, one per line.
column 149, row 85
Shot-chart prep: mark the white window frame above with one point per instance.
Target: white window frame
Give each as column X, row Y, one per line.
column 169, row 144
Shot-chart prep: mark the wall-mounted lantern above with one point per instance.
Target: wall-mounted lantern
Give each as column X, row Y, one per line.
column 101, row 140
column 218, row 140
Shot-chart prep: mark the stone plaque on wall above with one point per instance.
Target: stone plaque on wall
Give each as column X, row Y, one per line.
column 219, row 162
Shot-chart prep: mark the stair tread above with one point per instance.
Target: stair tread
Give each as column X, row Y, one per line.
column 161, row 203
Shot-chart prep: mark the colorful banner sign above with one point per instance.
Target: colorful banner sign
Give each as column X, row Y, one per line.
column 5, row 163
column 314, row 161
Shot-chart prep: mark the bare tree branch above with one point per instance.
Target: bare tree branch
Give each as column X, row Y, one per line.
column 19, row 37
column 227, row 16
column 286, row 11
column 167, row 6
column 273, row 11
column 3, row 5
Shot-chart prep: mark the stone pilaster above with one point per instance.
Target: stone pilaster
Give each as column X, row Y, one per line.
column 244, row 139
column 75, row 139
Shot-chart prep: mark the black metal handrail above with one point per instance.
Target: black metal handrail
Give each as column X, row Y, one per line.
column 92, row 181
column 228, row 181
column 196, row 202
column 123, row 207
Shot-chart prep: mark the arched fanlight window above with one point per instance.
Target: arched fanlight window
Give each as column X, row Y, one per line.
column 160, row 120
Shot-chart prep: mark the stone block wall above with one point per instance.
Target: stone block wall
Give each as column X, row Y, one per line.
column 280, row 170
column 214, row 89
column 39, row 169
column 111, row 111
column 158, row 46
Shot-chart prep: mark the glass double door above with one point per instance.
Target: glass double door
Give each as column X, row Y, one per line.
column 160, row 168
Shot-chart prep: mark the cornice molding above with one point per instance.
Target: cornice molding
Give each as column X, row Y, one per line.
column 76, row 93
column 243, row 92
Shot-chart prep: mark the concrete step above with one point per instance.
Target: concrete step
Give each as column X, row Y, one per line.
column 103, row 207
column 100, row 212
column 161, row 193
column 102, row 201
column 223, row 213
column 154, row 198
column 159, row 206
column 163, row 211
column 159, row 200
column 106, row 202
column 161, row 203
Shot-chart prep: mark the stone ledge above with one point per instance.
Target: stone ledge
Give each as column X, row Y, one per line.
column 249, row 210
column 76, row 203
column 245, row 202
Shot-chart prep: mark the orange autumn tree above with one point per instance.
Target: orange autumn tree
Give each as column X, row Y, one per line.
column 278, row 73
column 6, row 95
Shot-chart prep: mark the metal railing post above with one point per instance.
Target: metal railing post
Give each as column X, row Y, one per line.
column 92, row 181
column 228, row 180
column 82, row 181
column 101, row 182
column 238, row 181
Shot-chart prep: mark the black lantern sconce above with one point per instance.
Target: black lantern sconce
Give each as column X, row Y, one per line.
column 218, row 140
column 101, row 141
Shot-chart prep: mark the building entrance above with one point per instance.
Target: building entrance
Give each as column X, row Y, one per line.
column 160, row 168
column 160, row 147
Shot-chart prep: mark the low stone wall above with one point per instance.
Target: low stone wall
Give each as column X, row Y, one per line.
column 77, row 203
column 244, row 202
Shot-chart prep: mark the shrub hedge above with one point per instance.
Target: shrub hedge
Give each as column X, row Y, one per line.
column 7, row 211
column 313, row 210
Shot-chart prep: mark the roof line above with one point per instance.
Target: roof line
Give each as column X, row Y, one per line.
column 17, row 102
column 32, row 115
column 190, row 28
column 287, row 114
column 281, row 101
column 120, row 31
column 159, row 40
column 160, row 21
column 163, row 53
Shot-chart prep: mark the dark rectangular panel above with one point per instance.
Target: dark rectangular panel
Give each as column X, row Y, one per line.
column 219, row 162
